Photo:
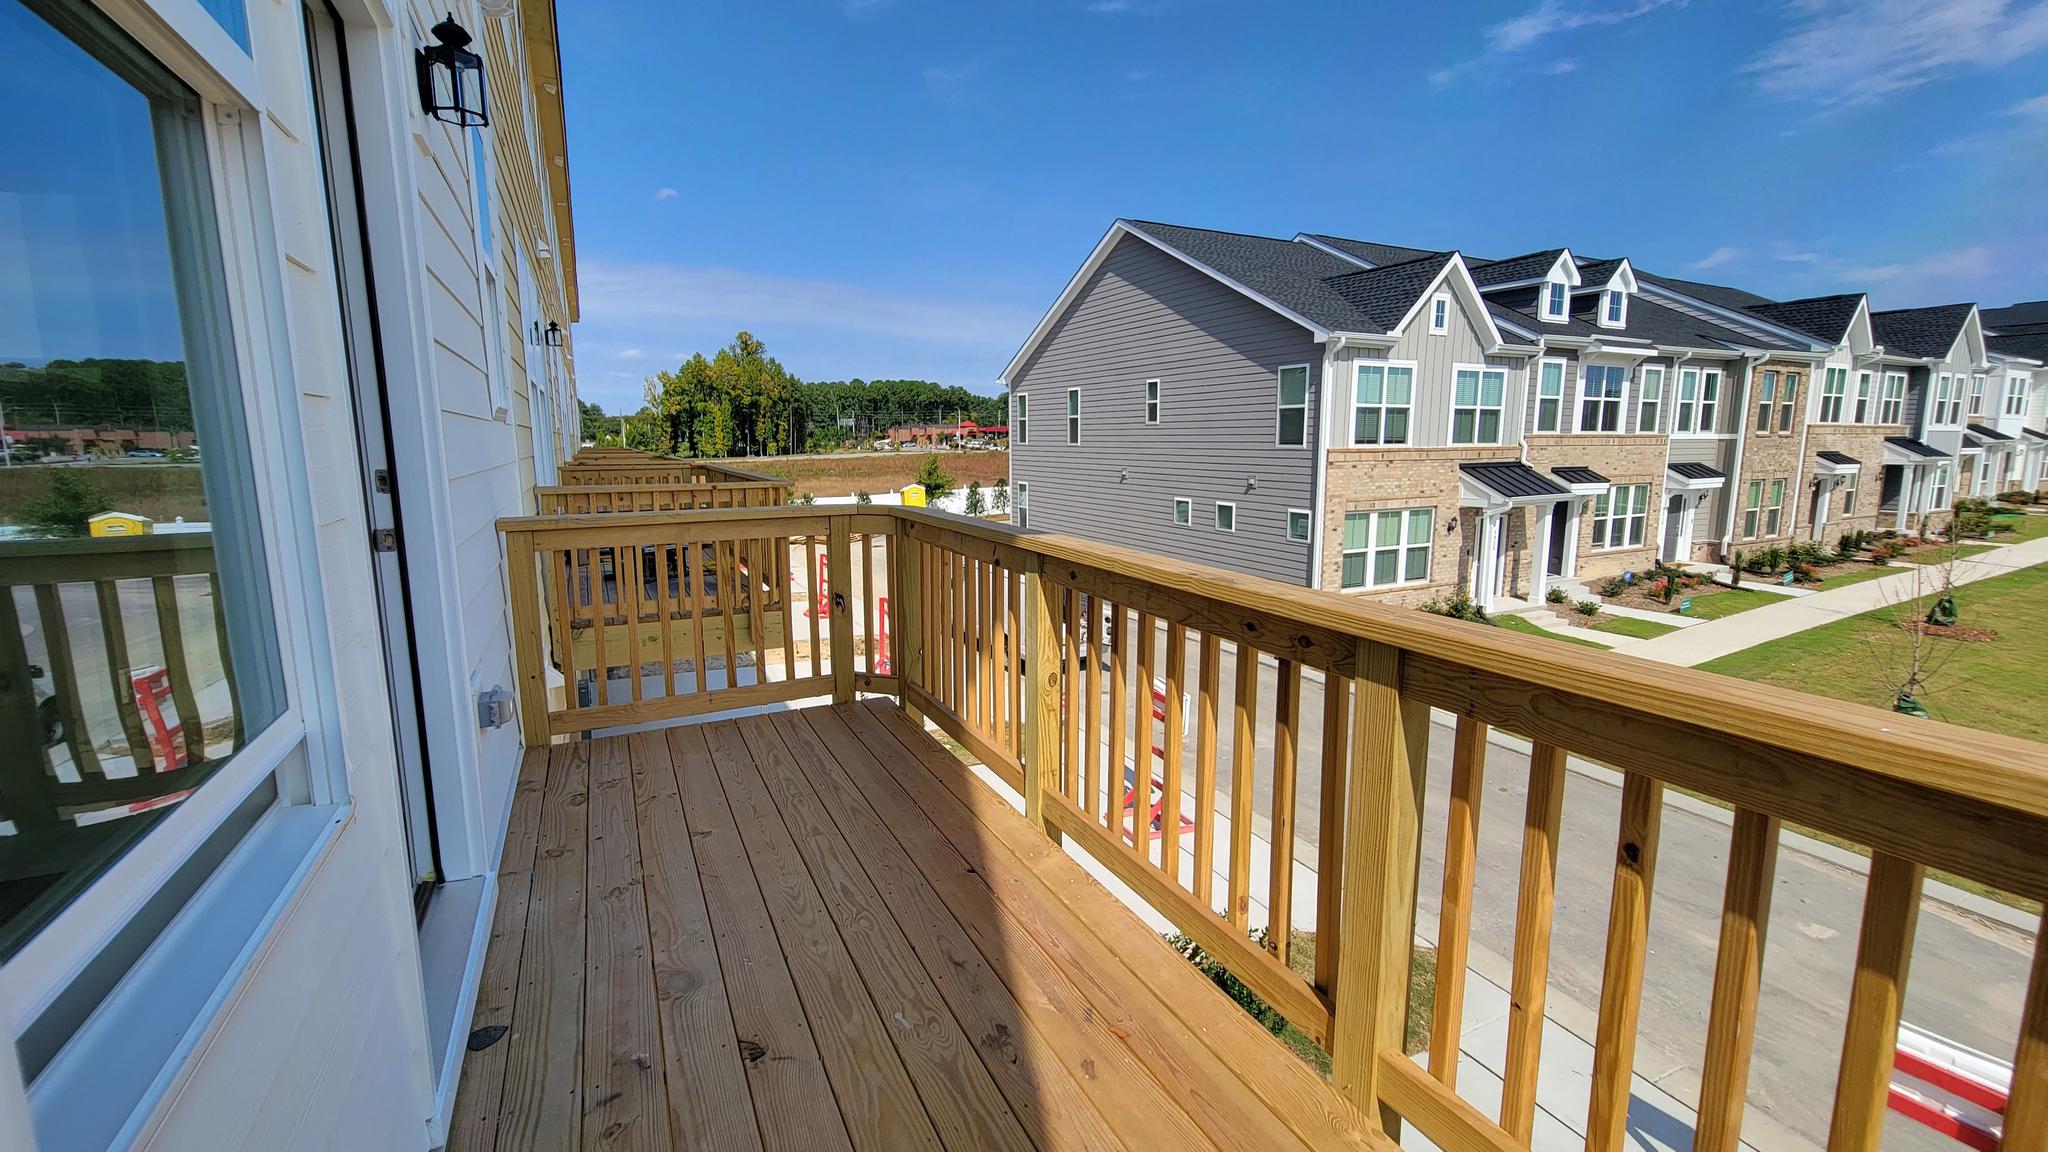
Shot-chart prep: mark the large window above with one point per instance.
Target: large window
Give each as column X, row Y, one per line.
column 1977, row 395
column 1766, row 401
column 1600, row 398
column 1293, row 407
column 138, row 646
column 1775, row 513
column 1619, row 515
column 1892, row 409
column 1834, row 389
column 1073, row 415
column 1710, row 398
column 1385, row 548
column 1549, row 394
column 1948, row 406
column 1688, row 399
column 1753, row 510
column 1650, row 401
column 1476, row 404
column 1938, row 496
column 1379, row 409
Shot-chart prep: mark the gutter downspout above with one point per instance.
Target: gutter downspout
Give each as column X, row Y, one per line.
column 1749, row 364
column 1320, row 482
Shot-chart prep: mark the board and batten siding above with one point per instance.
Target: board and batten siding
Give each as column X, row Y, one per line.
column 1145, row 315
column 1435, row 357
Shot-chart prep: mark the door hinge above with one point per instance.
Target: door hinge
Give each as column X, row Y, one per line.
column 380, row 479
column 383, row 540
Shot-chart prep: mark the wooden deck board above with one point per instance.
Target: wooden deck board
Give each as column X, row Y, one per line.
column 803, row 931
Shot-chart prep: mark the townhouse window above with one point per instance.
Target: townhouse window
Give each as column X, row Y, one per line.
column 1753, row 510
column 1385, row 548
column 1549, row 394
column 1834, row 389
column 1938, row 497
column 1556, row 300
column 1688, row 400
column 1710, row 398
column 2016, row 395
column 1151, row 401
column 1073, row 415
column 1766, row 401
column 1614, row 308
column 1786, row 401
column 1892, row 408
column 1944, row 391
column 1849, row 494
column 1775, row 511
column 1976, row 395
column 1183, row 511
column 1379, row 410
column 1293, row 407
column 1022, row 504
column 1650, row 401
column 1020, row 418
column 1864, row 386
column 1226, row 517
column 1297, row 524
column 1439, row 315
column 1619, row 515
column 1600, row 398
column 1477, row 396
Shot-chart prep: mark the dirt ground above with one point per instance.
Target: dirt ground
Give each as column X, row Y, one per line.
column 872, row 472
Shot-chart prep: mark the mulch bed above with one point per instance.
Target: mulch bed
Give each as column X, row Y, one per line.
column 1638, row 595
column 1961, row 632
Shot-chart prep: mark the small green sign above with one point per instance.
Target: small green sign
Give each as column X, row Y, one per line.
column 1788, row 577
column 1685, row 606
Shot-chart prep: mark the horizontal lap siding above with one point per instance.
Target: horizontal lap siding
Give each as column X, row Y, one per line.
column 1146, row 315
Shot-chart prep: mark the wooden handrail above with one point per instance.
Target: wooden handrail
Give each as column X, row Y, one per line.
column 1004, row 638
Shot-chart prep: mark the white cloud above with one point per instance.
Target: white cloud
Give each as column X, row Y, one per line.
column 1959, row 266
column 1792, row 257
column 632, row 354
column 1564, row 67
column 1719, row 256
column 1843, row 53
column 2035, row 109
column 1518, row 34
column 666, row 194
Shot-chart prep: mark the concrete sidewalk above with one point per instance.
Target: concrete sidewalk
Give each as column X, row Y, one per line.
column 1715, row 638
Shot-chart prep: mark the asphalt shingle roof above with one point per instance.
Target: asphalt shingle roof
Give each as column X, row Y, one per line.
column 2032, row 345
column 1387, row 293
column 1916, row 447
column 1924, row 332
column 1526, row 267
column 1596, row 273
column 1513, row 479
column 1716, row 294
column 2026, row 316
column 1649, row 320
column 1825, row 318
column 1328, row 290
column 1370, row 252
column 1696, row 471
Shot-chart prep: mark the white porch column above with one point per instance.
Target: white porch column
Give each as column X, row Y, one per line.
column 1489, row 563
column 1539, row 582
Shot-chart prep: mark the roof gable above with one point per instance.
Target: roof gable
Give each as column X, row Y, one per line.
column 1825, row 318
column 1927, row 333
column 1532, row 267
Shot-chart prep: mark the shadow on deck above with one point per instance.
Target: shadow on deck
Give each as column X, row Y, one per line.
column 817, row 929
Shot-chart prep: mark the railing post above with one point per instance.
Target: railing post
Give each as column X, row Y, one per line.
column 529, row 651
column 839, row 583
column 1382, row 854
column 906, row 616
column 1041, row 693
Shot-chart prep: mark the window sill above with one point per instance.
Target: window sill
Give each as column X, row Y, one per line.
column 105, row 1084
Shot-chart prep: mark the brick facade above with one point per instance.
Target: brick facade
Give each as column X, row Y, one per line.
column 1863, row 443
column 1365, row 479
column 1623, row 460
column 1773, row 455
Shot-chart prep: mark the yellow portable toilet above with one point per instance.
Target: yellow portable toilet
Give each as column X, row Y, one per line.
column 913, row 495
column 119, row 524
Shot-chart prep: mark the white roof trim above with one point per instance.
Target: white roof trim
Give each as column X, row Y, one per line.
column 1468, row 292
column 1117, row 232
column 1673, row 482
column 1332, row 249
column 1826, row 467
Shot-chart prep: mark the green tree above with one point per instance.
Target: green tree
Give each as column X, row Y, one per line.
column 976, row 502
column 932, row 474
column 999, row 498
column 67, row 504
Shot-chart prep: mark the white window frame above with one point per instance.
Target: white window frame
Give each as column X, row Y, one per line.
column 1218, row 516
column 1386, row 369
column 1022, row 504
column 1400, row 548
column 1183, row 512
column 1478, row 409
column 1866, row 395
column 1774, row 512
column 1280, row 406
column 1753, row 510
column 1557, row 419
column 2017, row 384
column 1767, row 401
column 1944, row 393
column 1977, row 383
column 1938, row 485
column 1307, row 525
column 1891, row 404
column 1559, row 293
column 1834, row 395
column 1620, row 403
column 1440, row 314
column 1613, row 308
column 1849, row 494
column 1633, row 519
column 1020, row 416
column 1073, row 415
column 1710, row 400
column 1151, row 401
column 1686, row 406
column 1644, row 402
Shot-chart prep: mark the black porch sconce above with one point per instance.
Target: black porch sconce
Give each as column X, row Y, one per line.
column 554, row 335
column 452, row 78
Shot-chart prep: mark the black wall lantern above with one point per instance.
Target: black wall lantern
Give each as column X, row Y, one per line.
column 554, row 335
column 452, row 78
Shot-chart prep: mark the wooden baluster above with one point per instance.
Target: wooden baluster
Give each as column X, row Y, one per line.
column 1018, row 689
column 867, row 601
column 1141, row 753
column 811, row 582
column 757, row 611
column 996, row 644
column 1042, row 720
column 1118, row 754
column 892, row 546
column 664, row 605
column 990, row 588
column 728, row 553
column 171, row 627
column 1534, row 904
column 1176, row 754
column 1628, row 944
column 1884, row 951
column 695, row 552
column 2026, row 1115
column 839, row 568
column 601, row 665
column 970, row 648
column 1070, row 661
column 1330, row 828
column 562, row 583
column 782, row 596
column 1382, row 845
column 627, row 566
column 1243, row 762
column 530, row 654
column 963, row 633
column 1091, row 705
column 1454, row 919
column 227, row 663
column 120, row 672
column 1738, row 975
column 1207, row 677
column 1286, row 749
column 63, row 672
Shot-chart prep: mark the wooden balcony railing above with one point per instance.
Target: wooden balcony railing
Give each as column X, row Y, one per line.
column 1075, row 670
column 620, row 467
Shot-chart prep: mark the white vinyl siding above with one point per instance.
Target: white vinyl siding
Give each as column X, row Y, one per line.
column 1385, row 548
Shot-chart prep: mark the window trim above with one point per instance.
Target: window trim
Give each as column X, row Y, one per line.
column 1020, row 416
column 1752, row 509
column 1386, row 367
column 1557, row 423
column 1401, row 548
column 1686, row 408
column 1440, row 314
column 1767, row 400
column 1183, row 512
column 1216, row 515
column 1848, row 488
column 1021, row 504
column 1152, row 391
column 1774, row 512
column 1560, row 293
column 1308, row 521
column 1654, row 425
column 2017, row 385
column 1830, row 393
column 1866, row 393
column 1633, row 535
column 1308, row 384
column 1620, row 402
column 1786, row 403
column 1612, row 300
column 1978, row 382
column 1893, row 402
column 1710, row 401
column 1479, row 409
column 1073, row 415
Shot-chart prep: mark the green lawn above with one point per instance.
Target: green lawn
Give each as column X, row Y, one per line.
column 1729, row 601
column 1518, row 624
column 1630, row 626
column 1936, row 553
column 1856, row 576
column 2014, row 528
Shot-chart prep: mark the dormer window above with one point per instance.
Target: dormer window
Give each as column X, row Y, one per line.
column 1614, row 308
column 1556, row 300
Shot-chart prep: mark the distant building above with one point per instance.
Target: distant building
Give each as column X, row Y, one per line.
column 934, row 435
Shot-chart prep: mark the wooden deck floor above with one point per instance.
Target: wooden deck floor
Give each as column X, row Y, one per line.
column 817, row 929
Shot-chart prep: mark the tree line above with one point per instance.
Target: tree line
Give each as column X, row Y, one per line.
column 740, row 401
column 101, row 393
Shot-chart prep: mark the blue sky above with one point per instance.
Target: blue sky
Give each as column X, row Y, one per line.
column 900, row 187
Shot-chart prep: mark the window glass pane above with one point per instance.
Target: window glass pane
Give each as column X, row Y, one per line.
column 1386, row 566
column 1467, row 387
column 1354, row 570
column 1293, row 426
column 1180, row 511
column 1370, row 382
column 1366, row 426
column 1226, row 517
column 1400, row 385
column 138, row 649
column 1397, row 426
column 1357, row 526
column 1294, row 385
column 1418, row 564
column 1073, row 403
column 1388, row 530
column 1489, row 426
column 1461, row 427
column 1492, row 385
column 1552, row 382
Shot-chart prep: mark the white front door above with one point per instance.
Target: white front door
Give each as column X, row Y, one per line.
column 1675, row 543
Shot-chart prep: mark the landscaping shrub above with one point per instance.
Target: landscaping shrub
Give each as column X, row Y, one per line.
column 1588, row 607
column 1614, row 586
column 1459, row 607
column 1556, row 595
column 2016, row 496
column 1974, row 521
